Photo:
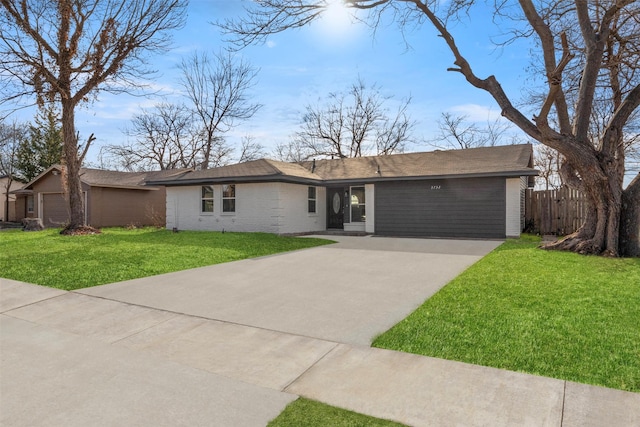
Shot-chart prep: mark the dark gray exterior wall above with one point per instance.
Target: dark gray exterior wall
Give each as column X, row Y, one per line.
column 464, row 208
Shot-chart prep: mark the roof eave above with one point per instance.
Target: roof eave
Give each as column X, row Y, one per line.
column 21, row 191
column 239, row 179
column 309, row 181
column 141, row 187
column 505, row 174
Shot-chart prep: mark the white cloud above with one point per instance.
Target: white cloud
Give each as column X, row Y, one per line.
column 475, row 112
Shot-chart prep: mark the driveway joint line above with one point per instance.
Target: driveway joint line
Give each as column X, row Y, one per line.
column 564, row 398
column 144, row 329
column 35, row 302
column 284, row 389
column 195, row 316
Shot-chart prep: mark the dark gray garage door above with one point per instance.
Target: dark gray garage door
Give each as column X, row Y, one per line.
column 54, row 210
column 470, row 207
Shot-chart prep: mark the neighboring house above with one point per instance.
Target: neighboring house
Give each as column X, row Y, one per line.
column 473, row 193
column 4, row 189
column 111, row 198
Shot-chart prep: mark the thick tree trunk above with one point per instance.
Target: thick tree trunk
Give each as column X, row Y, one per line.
column 72, row 168
column 612, row 226
column 630, row 220
column 601, row 232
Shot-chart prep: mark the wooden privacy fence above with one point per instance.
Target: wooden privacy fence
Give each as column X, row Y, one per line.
column 559, row 212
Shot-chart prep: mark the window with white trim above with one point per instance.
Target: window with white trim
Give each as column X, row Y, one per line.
column 30, row 204
column 229, row 198
column 311, row 200
column 206, row 199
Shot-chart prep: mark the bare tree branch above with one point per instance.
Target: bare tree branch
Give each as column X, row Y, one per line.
column 218, row 90
column 250, row 149
column 355, row 123
column 67, row 51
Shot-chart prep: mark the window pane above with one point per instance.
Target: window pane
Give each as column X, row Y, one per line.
column 228, row 205
column 207, row 205
column 312, row 200
column 357, row 204
column 229, row 190
column 207, row 192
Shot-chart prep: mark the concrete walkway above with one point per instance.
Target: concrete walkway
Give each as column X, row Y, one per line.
column 102, row 356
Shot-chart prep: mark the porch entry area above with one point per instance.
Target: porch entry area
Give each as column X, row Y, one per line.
column 345, row 205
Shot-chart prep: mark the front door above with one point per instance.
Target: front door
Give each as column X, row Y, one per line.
column 335, row 206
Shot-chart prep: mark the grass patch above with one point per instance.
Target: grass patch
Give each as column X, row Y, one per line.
column 308, row 413
column 74, row 262
column 554, row 314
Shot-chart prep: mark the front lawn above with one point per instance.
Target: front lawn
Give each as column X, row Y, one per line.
column 308, row 413
column 74, row 262
column 554, row 314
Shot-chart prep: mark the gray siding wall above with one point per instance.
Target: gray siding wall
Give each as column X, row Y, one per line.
column 469, row 207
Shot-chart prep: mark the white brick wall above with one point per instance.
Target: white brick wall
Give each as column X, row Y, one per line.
column 513, row 207
column 267, row 207
column 293, row 205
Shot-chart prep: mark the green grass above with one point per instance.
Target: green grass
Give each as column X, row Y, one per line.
column 74, row 262
column 547, row 313
column 308, row 413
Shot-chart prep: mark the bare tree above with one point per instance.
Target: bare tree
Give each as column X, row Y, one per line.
column 67, row 51
column 589, row 53
column 459, row 132
column 11, row 137
column 250, row 149
column 164, row 138
column 291, row 151
column 354, row 123
column 547, row 161
column 217, row 88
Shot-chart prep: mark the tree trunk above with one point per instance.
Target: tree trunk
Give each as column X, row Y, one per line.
column 630, row 220
column 601, row 233
column 6, row 197
column 72, row 168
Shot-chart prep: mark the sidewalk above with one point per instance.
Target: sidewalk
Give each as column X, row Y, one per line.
column 75, row 360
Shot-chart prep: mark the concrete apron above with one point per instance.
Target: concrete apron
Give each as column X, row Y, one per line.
column 73, row 359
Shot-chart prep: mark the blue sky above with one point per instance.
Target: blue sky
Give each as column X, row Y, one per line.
column 299, row 67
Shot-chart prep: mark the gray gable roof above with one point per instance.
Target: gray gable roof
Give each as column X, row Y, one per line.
column 507, row 160
column 252, row 171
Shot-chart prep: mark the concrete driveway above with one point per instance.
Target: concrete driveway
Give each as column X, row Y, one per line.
column 233, row 344
column 347, row 292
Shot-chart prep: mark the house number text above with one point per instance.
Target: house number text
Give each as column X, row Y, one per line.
column 435, row 187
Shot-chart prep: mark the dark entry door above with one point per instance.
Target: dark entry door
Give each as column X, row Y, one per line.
column 335, row 206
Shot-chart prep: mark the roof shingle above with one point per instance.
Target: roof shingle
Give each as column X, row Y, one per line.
column 499, row 160
column 507, row 160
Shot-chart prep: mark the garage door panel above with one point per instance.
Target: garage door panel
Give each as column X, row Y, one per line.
column 55, row 211
column 442, row 208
